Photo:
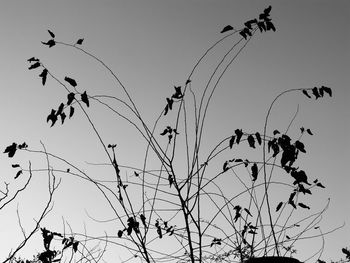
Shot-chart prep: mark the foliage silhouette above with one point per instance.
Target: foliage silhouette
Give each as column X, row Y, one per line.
column 8, row 197
column 236, row 228
column 226, row 28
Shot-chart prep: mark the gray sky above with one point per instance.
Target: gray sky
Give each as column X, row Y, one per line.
column 152, row 45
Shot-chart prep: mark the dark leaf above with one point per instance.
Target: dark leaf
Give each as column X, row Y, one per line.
column 291, row 197
column 178, row 94
column 35, row 65
column 289, row 168
column 170, row 103
column 136, row 227
column 80, row 41
column 327, row 90
column 216, row 241
column 238, row 215
column 129, row 230
column 70, row 98
column 303, row 206
column 11, row 150
column 252, row 232
column 18, row 174
column 68, row 243
column 43, row 76
column 224, row 167
column 51, row 34
column 238, row 160
column 15, row 165
column 287, row 237
column 251, row 141
column 346, row 252
column 232, row 140
column 49, row 43
column 159, row 232
column 302, row 129
column 60, row 109
column 300, row 146
column 120, row 233
column 300, row 177
column 263, row 17
column 33, row 59
column 170, row 179
column 246, row 162
column 57, row 234
column 47, row 235
column 320, row 185
column 237, row 208
column 71, row 81
column 247, row 31
column 63, row 117
column 247, row 211
column 262, row 26
column 85, row 99
column 288, row 155
column 284, row 141
column 52, row 117
column 164, row 132
column 275, row 149
column 22, row 146
column 321, row 92
column 243, row 34
column 254, row 169
column 270, row 26
column 75, row 246
column 290, row 200
column 166, row 109
column 269, row 145
column 71, row 111
column 309, row 132
column 177, row 89
column 315, row 93
column 275, row 132
column 239, row 134
column 258, row 137
column 143, row 219
column 252, row 227
column 267, row 10
column 136, row 174
column 188, row 81
column 245, row 228
column 249, row 23
column 279, row 206
column 306, row 94
column 226, row 28
column 303, row 190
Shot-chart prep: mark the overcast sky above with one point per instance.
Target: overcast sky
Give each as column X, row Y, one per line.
column 152, row 45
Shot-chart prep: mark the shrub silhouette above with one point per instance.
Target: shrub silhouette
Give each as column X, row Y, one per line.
column 172, row 207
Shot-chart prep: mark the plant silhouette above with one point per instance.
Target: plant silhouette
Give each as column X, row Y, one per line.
column 234, row 228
